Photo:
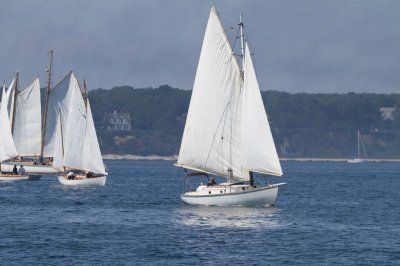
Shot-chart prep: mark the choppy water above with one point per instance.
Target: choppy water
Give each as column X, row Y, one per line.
column 329, row 214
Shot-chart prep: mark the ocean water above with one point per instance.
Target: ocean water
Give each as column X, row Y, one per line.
column 329, row 214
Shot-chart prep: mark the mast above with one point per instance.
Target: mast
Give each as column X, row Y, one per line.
column 358, row 143
column 46, row 103
column 85, row 94
column 14, row 102
column 241, row 25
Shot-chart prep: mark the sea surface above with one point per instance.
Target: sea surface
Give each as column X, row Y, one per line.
column 328, row 214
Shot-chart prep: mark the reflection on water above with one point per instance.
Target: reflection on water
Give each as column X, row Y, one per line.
column 229, row 217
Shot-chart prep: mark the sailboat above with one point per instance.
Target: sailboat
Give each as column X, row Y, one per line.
column 28, row 134
column 227, row 133
column 358, row 159
column 7, row 146
column 76, row 147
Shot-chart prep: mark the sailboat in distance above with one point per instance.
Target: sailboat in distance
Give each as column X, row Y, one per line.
column 227, row 133
column 7, row 146
column 358, row 159
column 76, row 147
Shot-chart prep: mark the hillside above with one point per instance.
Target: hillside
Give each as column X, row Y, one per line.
column 303, row 125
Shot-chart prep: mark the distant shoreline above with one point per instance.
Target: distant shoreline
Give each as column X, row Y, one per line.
column 175, row 157
column 139, row 157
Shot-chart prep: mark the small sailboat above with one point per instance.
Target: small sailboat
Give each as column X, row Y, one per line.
column 358, row 159
column 76, row 147
column 227, row 133
column 7, row 146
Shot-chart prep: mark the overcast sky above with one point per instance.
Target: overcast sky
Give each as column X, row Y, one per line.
column 299, row 46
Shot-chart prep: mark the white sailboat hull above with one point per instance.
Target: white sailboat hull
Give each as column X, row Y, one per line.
column 357, row 160
column 93, row 181
column 10, row 177
column 242, row 195
column 29, row 168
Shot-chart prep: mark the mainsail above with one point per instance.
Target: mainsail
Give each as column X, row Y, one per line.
column 27, row 120
column 59, row 102
column 7, row 146
column 66, row 121
column 226, row 126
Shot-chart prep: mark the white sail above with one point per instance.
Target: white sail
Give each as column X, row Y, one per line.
column 226, row 126
column 28, row 121
column 73, row 132
column 59, row 99
column 259, row 152
column 211, row 135
column 7, row 147
column 58, row 155
column 92, row 160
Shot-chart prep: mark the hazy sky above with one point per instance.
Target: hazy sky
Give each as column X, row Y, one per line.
column 299, row 46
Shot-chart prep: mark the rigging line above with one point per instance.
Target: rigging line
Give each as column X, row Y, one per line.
column 237, row 36
column 216, row 131
column 223, row 118
column 228, row 18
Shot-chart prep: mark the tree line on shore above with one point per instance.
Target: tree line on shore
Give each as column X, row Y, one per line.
column 303, row 125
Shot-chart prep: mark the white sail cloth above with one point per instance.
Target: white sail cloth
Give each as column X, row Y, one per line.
column 59, row 100
column 7, row 146
column 67, row 112
column 27, row 120
column 92, row 160
column 75, row 144
column 222, row 130
column 259, row 152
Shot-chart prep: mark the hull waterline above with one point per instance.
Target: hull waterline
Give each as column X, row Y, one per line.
column 93, row 181
column 10, row 177
column 262, row 196
column 29, row 168
column 356, row 161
